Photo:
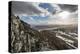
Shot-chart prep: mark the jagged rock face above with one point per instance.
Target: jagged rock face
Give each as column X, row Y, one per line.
column 26, row 39
column 23, row 38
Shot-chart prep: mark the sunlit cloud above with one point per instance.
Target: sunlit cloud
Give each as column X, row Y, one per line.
column 45, row 13
column 64, row 14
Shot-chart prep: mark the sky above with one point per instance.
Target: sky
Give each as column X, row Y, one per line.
column 45, row 13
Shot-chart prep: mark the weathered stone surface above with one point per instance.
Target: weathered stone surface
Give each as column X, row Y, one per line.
column 26, row 39
column 23, row 38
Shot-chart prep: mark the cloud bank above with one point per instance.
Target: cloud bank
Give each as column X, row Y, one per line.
column 45, row 13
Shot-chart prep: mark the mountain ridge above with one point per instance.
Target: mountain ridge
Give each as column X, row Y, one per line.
column 23, row 38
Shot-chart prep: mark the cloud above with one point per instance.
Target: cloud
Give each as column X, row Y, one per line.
column 68, row 7
column 50, row 7
column 71, row 18
column 24, row 8
column 44, row 13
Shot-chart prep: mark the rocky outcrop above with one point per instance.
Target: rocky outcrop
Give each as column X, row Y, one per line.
column 23, row 38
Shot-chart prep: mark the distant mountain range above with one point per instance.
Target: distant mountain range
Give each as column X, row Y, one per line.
column 26, row 39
